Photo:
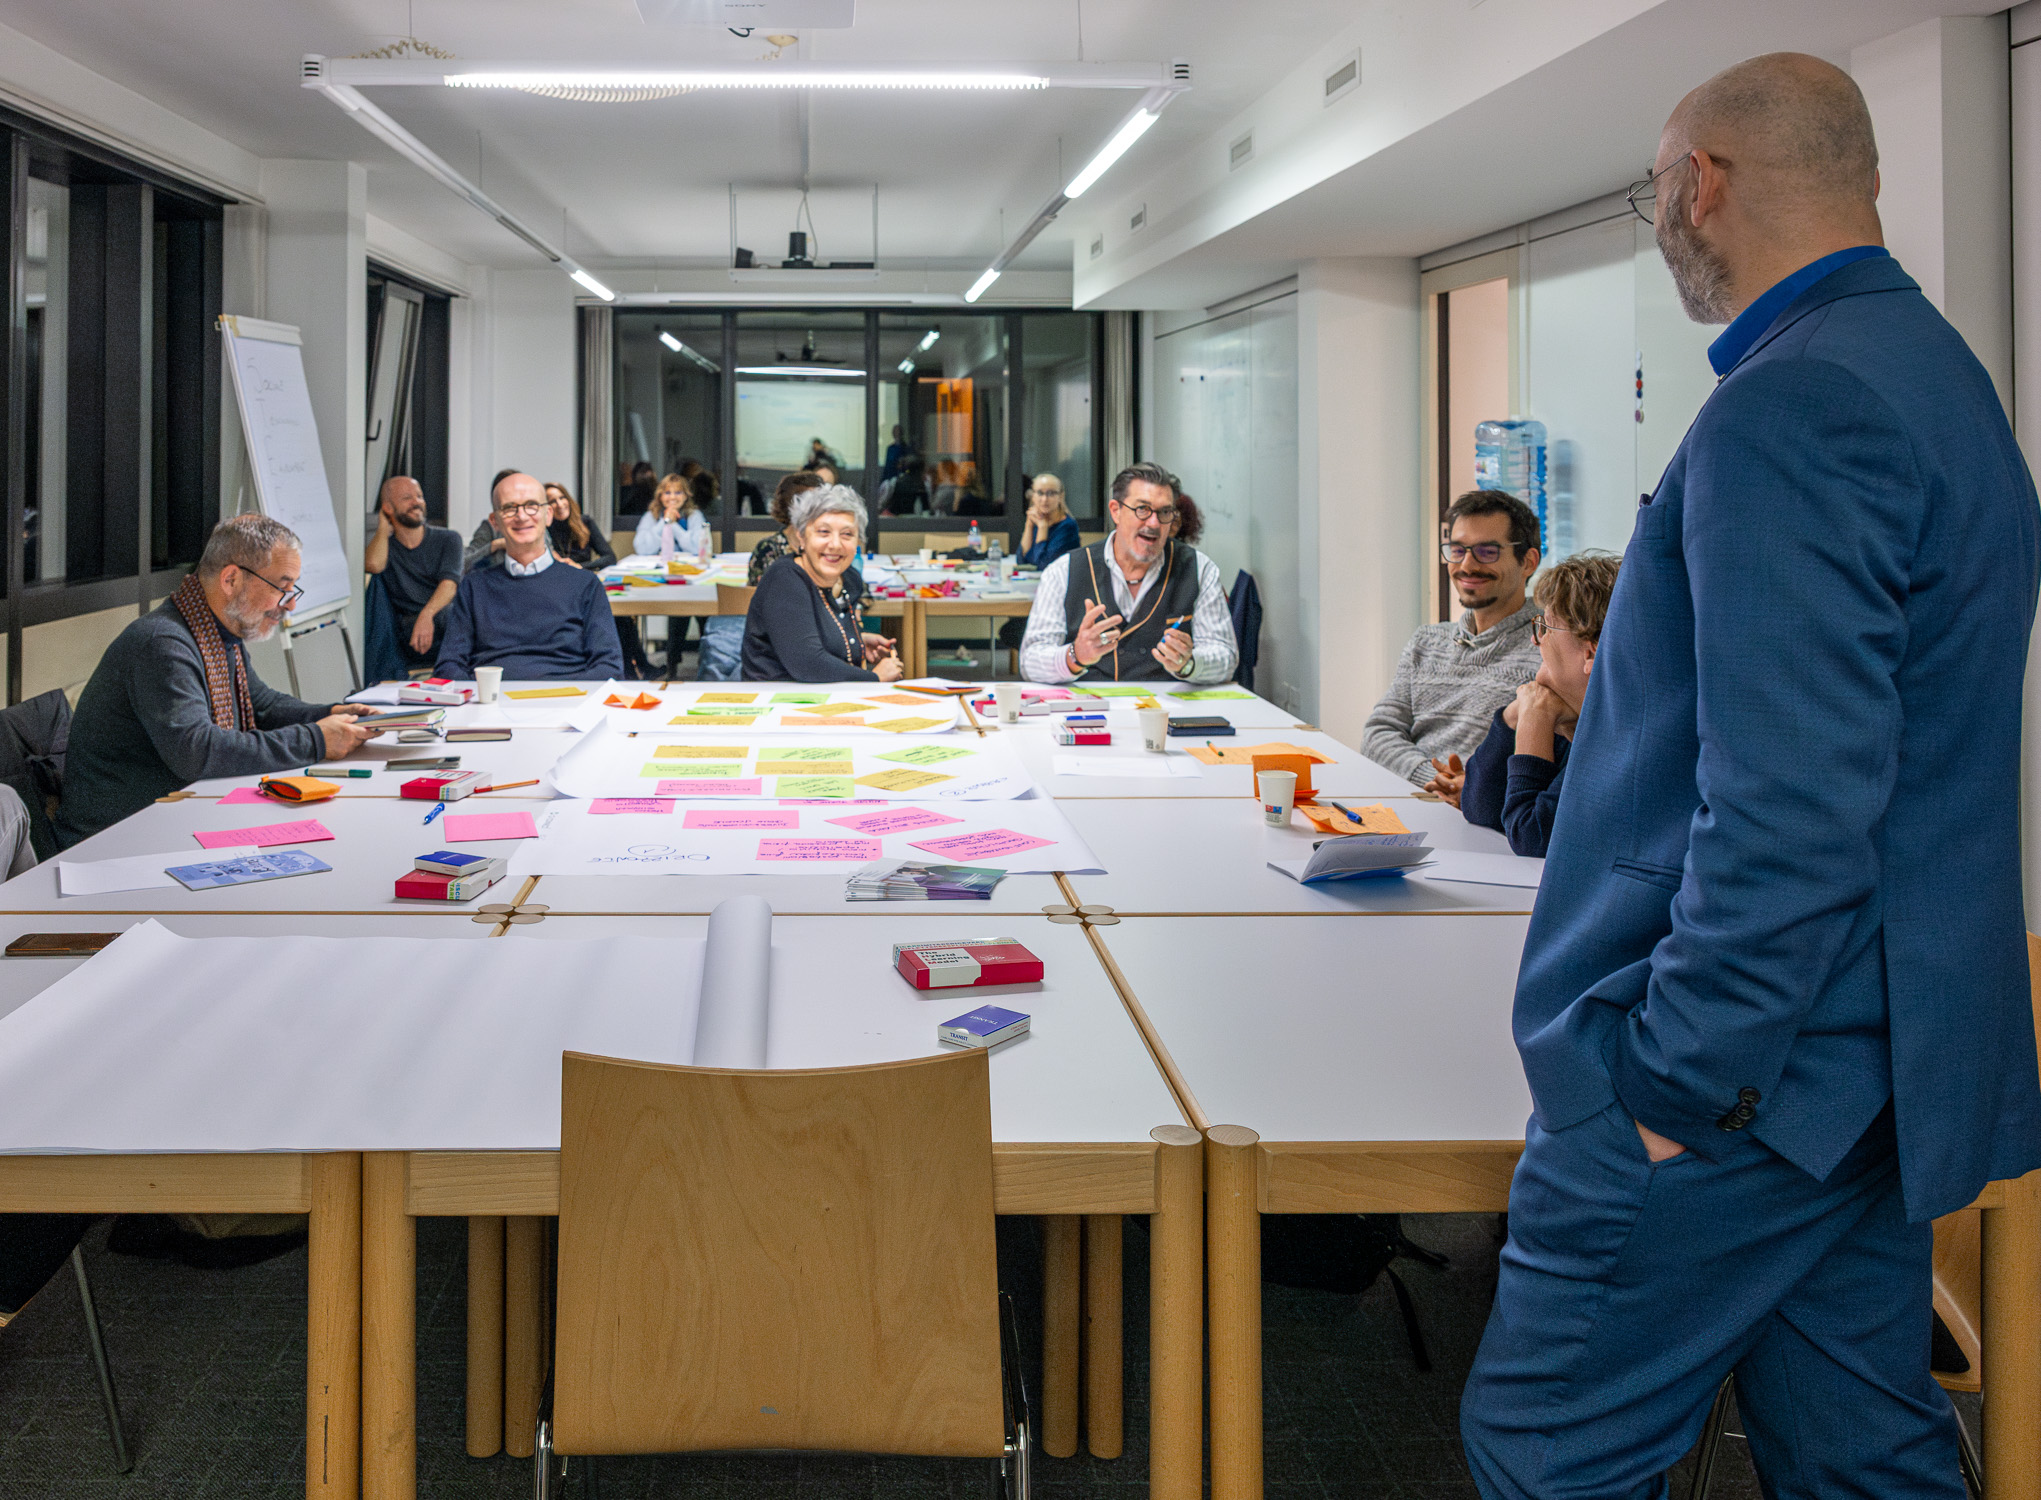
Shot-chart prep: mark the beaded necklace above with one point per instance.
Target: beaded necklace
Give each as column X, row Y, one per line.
column 849, row 652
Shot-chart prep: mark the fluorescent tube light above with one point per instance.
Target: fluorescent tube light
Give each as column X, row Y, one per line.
column 671, row 342
column 906, row 367
column 773, row 78
column 928, row 341
column 1112, row 151
column 800, row 370
column 979, row 286
column 593, row 285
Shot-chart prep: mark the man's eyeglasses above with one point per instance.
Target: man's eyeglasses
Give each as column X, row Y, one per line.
column 1643, row 194
column 1146, row 513
column 1488, row 554
column 1541, row 626
column 285, row 597
column 525, row 508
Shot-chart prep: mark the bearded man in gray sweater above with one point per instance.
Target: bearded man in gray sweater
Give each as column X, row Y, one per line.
column 1455, row 674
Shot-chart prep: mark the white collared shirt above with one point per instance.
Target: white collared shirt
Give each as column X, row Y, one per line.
column 531, row 569
column 1214, row 653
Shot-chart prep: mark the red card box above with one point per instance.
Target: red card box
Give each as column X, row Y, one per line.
column 448, row 786
column 966, row 964
column 422, row 885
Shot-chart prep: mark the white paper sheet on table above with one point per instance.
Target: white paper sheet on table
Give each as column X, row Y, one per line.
column 607, row 763
column 104, row 877
column 584, row 843
column 1483, row 869
column 1148, row 767
column 377, row 692
column 169, row 1044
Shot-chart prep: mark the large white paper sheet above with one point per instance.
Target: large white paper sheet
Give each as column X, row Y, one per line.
column 1151, row 767
column 579, row 842
column 104, row 877
column 956, row 767
column 1484, row 869
column 681, row 701
column 736, row 985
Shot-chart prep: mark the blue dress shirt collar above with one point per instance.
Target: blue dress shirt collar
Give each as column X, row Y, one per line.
column 531, row 569
column 1750, row 325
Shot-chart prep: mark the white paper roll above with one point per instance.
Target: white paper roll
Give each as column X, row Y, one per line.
column 736, row 980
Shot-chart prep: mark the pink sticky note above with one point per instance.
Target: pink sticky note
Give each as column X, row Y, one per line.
column 992, row 843
column 897, row 820
column 472, row 828
column 242, row 794
column 833, row 802
column 702, row 817
column 710, row 786
column 820, row 849
column 631, row 805
column 304, row 831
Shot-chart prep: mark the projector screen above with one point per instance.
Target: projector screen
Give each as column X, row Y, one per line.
column 777, row 419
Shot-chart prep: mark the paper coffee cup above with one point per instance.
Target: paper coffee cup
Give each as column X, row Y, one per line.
column 487, row 681
column 1007, row 696
column 1278, row 796
column 927, row 555
column 1155, row 729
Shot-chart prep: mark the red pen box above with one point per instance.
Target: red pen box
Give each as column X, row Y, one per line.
column 445, row 786
column 965, row 962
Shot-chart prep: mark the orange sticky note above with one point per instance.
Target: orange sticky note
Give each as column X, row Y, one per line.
column 1301, row 764
column 641, row 701
column 1375, row 818
column 1243, row 755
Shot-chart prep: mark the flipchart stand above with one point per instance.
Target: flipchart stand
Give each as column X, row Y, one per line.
column 296, row 627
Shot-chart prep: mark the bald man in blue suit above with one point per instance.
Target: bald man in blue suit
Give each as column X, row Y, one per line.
column 1773, row 1005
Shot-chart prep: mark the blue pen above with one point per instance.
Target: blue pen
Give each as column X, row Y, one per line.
column 437, row 809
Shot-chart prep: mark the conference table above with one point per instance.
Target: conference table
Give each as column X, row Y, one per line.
column 1214, row 1041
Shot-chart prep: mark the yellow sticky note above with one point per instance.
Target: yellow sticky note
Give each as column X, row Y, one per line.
column 831, row 710
column 902, row 780
column 814, row 786
column 721, row 721
column 727, row 698
column 906, row 726
column 552, row 692
column 802, row 767
column 701, row 752
column 810, row 721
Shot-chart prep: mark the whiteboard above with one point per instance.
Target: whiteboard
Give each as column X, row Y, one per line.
column 776, row 418
column 283, row 451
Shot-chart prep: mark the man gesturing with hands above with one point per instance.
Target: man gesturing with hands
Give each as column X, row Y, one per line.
column 1773, row 1006
column 1138, row 605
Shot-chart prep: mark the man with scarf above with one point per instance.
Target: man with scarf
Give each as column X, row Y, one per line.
column 174, row 699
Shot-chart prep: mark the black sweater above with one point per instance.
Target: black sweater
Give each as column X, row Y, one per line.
column 791, row 634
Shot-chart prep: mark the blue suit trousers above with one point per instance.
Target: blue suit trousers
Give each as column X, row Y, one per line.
column 1629, row 1290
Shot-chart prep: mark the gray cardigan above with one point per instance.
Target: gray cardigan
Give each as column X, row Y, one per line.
column 145, row 727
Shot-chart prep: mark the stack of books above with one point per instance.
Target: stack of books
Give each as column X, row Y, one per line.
column 904, row 880
column 448, row 875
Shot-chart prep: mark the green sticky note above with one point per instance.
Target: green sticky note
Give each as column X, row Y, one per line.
column 924, row 755
column 1115, row 690
column 1211, row 695
column 723, row 711
column 804, row 752
column 689, row 768
column 814, row 786
column 800, row 697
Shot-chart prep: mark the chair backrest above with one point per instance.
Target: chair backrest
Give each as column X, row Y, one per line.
column 733, row 599
column 32, row 748
column 747, row 540
column 795, row 1259
column 624, row 543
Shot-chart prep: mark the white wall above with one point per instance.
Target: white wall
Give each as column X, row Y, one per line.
column 530, row 359
column 2026, row 208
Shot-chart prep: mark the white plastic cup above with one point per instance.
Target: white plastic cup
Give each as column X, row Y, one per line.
column 1155, row 729
column 487, row 682
column 927, row 556
column 1006, row 569
column 1278, row 796
column 1007, row 696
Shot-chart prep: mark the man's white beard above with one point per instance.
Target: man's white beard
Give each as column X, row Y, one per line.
column 1699, row 274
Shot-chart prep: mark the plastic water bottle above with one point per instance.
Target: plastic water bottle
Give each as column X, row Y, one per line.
column 995, row 549
column 975, row 542
column 1564, row 465
column 1510, row 456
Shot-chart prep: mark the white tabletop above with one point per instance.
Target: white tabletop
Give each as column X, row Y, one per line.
column 1347, row 771
column 1209, row 856
column 527, row 753
column 822, row 894
column 1305, row 1029
column 1081, row 1074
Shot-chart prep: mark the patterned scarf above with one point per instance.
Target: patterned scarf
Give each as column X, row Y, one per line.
column 226, row 688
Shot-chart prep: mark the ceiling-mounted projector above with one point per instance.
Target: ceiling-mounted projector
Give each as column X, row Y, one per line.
column 740, row 15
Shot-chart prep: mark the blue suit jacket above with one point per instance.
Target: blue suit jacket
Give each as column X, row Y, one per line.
column 1785, row 870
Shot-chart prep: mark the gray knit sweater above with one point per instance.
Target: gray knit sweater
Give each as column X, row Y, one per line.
column 1447, row 687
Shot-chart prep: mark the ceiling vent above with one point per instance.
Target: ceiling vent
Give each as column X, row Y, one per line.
column 1098, row 247
column 1180, row 71
column 1241, row 152
column 1137, row 219
column 1344, row 77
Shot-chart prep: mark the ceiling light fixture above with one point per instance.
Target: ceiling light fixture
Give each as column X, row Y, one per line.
column 364, row 72
column 776, row 78
column 588, row 281
column 928, row 341
column 982, row 284
column 1136, row 126
column 800, row 370
column 671, row 342
column 906, row 367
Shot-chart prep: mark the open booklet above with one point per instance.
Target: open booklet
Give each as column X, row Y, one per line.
column 1357, row 856
column 163, row 1043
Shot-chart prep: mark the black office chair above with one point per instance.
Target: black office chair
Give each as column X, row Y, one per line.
column 33, row 1249
column 1718, row 1424
column 33, row 738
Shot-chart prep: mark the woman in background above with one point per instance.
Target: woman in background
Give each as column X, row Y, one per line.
column 1050, row 530
column 574, row 540
column 675, row 525
column 781, row 543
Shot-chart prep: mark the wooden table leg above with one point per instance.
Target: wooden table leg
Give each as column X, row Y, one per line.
column 523, row 1296
column 1062, row 1284
column 1103, row 1331
column 333, row 1328
column 2012, row 1343
column 1176, row 1318
column 485, row 1336
column 389, row 1332
column 1233, row 1238
column 914, row 641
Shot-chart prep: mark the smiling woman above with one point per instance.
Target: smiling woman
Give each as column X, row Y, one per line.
column 803, row 624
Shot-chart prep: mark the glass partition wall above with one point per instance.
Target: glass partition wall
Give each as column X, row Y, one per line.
column 917, row 411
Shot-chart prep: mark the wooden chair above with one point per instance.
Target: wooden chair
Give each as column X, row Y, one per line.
column 733, row 599
column 623, row 543
column 1958, row 1299
column 796, row 1260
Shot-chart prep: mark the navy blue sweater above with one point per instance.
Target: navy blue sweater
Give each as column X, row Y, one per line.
column 555, row 626
column 1516, row 795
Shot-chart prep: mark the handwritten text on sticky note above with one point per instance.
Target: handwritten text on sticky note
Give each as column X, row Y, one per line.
column 304, row 831
column 991, row 843
column 747, row 786
column 893, row 820
column 704, row 817
column 631, row 805
column 820, row 849
column 925, row 755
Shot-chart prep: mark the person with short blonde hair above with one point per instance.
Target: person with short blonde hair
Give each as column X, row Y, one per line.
column 803, row 624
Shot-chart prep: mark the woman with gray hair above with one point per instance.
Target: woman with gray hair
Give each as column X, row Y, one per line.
column 803, row 623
